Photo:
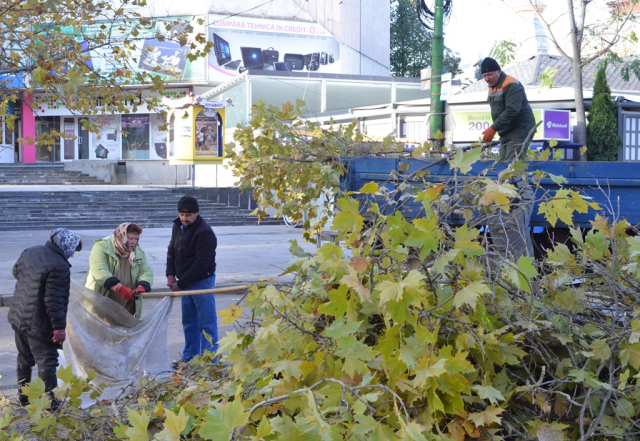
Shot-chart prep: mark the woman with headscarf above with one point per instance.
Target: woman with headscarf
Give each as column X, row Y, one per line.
column 118, row 268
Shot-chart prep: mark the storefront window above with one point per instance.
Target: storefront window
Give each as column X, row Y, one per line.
column 47, row 146
column 135, row 136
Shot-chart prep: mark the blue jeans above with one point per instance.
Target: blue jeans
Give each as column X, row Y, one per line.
column 198, row 315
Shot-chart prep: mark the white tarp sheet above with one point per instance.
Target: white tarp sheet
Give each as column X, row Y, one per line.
column 102, row 336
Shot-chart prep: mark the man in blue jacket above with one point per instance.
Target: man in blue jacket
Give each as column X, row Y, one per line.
column 38, row 314
column 191, row 265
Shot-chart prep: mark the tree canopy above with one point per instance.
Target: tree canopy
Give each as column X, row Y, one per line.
column 588, row 41
column 411, row 43
column 54, row 46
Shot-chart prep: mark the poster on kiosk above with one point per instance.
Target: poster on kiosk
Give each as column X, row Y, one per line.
column 196, row 133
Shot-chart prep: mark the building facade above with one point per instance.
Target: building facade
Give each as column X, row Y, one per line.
column 291, row 37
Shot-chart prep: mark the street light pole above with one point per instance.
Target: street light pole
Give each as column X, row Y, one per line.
column 437, row 63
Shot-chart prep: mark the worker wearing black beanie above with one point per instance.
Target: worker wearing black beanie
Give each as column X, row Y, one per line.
column 510, row 111
column 489, row 65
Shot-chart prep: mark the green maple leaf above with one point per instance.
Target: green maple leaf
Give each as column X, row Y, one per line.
column 600, row 350
column 66, row 374
column 338, row 302
column 423, row 372
column 634, row 246
column 173, row 426
column 466, row 241
column 220, row 421
column 522, row 276
column 34, row 390
column 411, row 431
column 290, row 367
column 139, row 424
column 410, row 351
column 559, row 180
column 230, row 341
column 349, row 218
column 442, row 262
column 75, row 79
column 469, row 294
column 340, row 329
column 489, row 393
column 560, row 255
column 630, row 355
column 395, row 290
column 355, row 357
column 464, row 160
column 264, row 428
column 486, row 417
column 373, row 429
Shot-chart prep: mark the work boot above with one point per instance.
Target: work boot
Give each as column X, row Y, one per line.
column 24, row 377
column 48, row 375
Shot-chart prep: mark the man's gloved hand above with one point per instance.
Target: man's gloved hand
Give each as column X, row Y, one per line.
column 59, row 336
column 125, row 293
column 487, row 135
column 174, row 287
column 171, row 280
column 139, row 290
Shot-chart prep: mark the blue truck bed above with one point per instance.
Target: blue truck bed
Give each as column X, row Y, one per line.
column 619, row 195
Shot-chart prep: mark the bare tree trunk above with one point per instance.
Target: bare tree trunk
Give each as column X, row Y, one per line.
column 580, row 133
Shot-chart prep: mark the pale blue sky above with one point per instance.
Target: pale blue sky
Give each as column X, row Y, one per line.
column 476, row 24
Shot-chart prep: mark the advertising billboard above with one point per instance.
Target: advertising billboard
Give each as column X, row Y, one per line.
column 158, row 50
column 196, row 133
column 241, row 43
column 470, row 125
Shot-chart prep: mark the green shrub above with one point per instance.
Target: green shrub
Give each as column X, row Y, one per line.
column 603, row 140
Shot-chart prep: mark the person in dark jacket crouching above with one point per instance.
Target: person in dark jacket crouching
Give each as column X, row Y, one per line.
column 191, row 265
column 38, row 314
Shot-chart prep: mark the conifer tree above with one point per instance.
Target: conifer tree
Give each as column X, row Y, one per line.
column 603, row 140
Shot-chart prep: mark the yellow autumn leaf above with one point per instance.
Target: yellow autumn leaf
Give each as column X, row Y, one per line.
column 173, row 426
column 486, row 417
column 229, row 316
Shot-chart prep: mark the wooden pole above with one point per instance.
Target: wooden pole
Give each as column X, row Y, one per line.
column 153, row 295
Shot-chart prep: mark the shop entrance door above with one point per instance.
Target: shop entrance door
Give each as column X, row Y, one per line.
column 82, row 141
column 7, row 153
column 68, row 142
column 47, row 145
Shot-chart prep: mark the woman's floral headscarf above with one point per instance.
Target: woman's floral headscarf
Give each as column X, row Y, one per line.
column 66, row 240
column 120, row 240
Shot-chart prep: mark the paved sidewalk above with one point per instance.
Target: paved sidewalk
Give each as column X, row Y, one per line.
column 244, row 255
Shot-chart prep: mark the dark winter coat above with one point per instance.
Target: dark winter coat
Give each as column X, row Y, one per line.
column 41, row 295
column 191, row 256
column 510, row 110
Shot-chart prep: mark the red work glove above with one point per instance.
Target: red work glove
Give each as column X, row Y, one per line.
column 487, row 135
column 59, row 336
column 124, row 292
column 171, row 280
column 139, row 290
column 174, row 287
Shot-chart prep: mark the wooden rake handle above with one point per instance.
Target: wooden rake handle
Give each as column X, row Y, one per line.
column 155, row 295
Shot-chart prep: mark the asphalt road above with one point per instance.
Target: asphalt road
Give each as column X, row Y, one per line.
column 244, row 256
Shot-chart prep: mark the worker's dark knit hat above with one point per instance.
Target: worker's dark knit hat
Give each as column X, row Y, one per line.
column 187, row 204
column 489, row 65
